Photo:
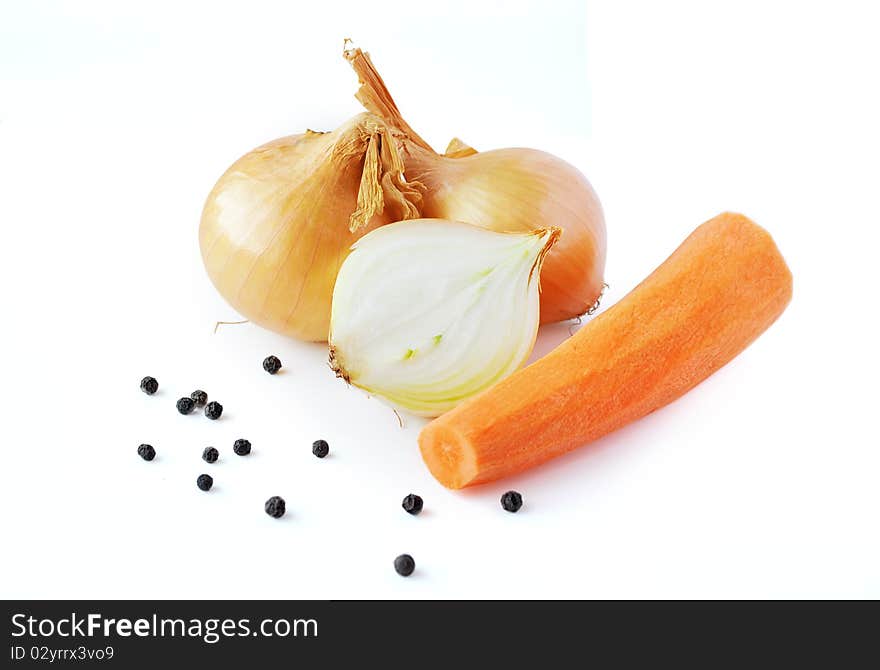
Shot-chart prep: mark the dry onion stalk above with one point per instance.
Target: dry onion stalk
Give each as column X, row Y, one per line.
column 427, row 313
column 508, row 190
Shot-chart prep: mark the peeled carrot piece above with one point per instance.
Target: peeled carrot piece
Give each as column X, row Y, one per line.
column 707, row 302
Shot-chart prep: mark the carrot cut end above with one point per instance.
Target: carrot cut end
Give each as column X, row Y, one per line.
column 449, row 456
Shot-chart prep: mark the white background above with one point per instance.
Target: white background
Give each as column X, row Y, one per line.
column 116, row 119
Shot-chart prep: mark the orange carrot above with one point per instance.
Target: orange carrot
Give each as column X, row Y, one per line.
column 707, row 302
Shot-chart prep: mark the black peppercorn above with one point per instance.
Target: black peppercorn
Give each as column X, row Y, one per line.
column 199, row 398
column 205, row 482
column 320, row 448
column 242, row 447
column 210, row 454
column 185, row 405
column 511, row 501
column 275, row 507
column 146, row 452
column 149, row 385
column 404, row 564
column 413, row 504
column 213, row 410
column 271, row 364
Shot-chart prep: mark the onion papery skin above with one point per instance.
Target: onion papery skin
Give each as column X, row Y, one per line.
column 517, row 190
column 276, row 227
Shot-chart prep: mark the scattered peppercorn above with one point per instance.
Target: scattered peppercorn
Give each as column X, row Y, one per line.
column 242, row 447
column 271, row 364
column 210, row 454
column 205, row 482
column 213, row 410
column 320, row 448
column 511, row 501
column 413, row 504
column 146, row 452
column 149, row 385
column 199, row 398
column 404, row 564
column 275, row 507
column 185, row 405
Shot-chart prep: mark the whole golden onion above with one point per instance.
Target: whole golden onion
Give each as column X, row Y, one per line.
column 520, row 190
column 506, row 190
column 278, row 224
